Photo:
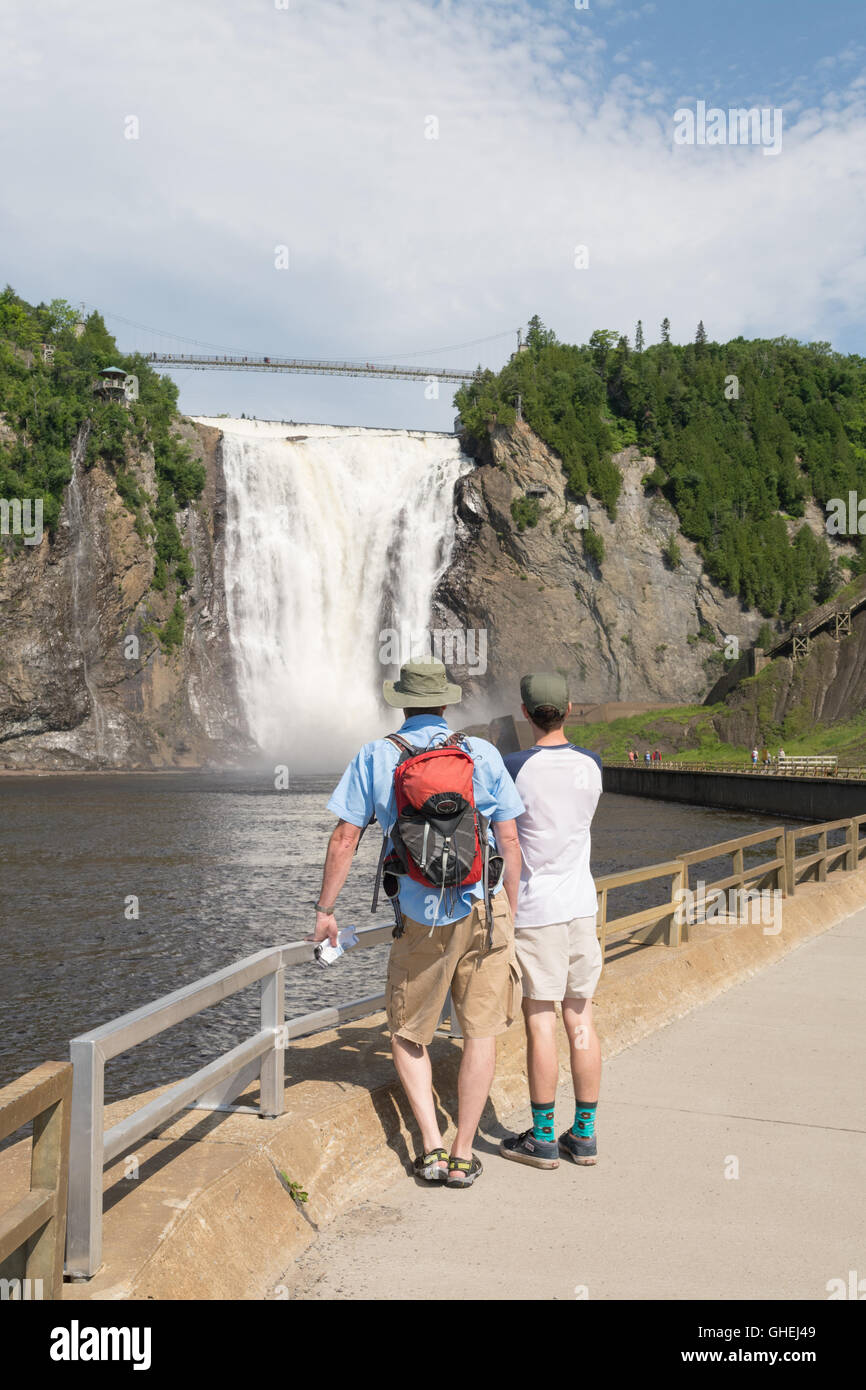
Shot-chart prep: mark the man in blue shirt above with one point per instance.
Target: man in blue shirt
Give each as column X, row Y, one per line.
column 445, row 944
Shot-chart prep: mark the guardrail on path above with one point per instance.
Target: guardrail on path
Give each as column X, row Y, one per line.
column 261, row 1056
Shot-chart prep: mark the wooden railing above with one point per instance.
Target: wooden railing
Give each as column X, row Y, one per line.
column 765, row 873
column 825, row 858
column 669, row 921
column 33, row 1231
column 651, row 923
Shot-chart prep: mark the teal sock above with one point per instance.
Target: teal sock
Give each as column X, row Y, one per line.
column 542, row 1123
column 584, row 1119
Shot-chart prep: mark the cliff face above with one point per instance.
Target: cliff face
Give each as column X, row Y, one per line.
column 83, row 683
column 629, row 629
column 789, row 698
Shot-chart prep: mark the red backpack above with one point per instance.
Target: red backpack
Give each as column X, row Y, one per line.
column 439, row 837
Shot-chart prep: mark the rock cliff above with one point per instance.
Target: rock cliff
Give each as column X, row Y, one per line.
column 631, row 628
column 84, row 681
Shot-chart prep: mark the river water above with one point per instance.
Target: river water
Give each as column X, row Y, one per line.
column 221, row 865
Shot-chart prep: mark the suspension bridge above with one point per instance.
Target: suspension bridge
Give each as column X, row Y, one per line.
column 207, row 357
column 308, row 367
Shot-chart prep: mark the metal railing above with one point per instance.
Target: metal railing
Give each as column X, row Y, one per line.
column 216, row 1085
column 213, row 1086
column 32, row 1232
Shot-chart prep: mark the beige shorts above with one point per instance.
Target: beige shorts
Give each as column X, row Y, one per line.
column 559, row 961
column 484, row 985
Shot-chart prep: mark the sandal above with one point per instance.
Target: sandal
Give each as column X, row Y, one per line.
column 427, row 1168
column 462, row 1172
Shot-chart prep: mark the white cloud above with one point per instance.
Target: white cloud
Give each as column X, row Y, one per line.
column 307, row 127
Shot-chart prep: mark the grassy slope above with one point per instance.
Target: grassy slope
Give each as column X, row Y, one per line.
column 688, row 734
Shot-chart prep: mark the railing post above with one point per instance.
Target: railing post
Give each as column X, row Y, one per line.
column 49, row 1167
column 781, row 872
column 737, row 857
column 272, row 1077
column 790, row 858
column 602, row 912
column 86, row 1150
column 852, row 835
column 674, row 933
column 822, row 863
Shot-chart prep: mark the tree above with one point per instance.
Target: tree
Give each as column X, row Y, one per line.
column 638, row 337
column 593, row 545
column 537, row 336
column 666, row 330
column 701, row 334
column 672, row 553
column 601, row 341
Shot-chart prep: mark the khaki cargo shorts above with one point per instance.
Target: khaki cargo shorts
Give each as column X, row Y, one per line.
column 485, row 985
column 559, row 961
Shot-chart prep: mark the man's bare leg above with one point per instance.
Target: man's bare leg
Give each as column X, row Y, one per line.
column 416, row 1074
column 584, row 1047
column 473, row 1088
column 542, row 1058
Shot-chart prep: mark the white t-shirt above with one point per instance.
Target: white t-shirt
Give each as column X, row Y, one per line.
column 559, row 785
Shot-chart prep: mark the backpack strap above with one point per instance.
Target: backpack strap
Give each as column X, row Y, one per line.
column 406, row 750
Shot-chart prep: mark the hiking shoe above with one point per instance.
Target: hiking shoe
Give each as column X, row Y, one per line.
column 462, row 1172
column 525, row 1148
column 583, row 1151
column 427, row 1167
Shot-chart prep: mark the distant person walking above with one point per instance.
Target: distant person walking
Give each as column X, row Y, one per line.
column 555, row 924
column 445, row 938
column 657, row 757
column 754, row 757
column 647, row 757
column 631, row 755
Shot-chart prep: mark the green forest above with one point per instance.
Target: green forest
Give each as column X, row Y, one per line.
column 743, row 433
column 45, row 403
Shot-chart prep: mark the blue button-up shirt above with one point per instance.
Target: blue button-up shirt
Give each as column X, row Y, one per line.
column 367, row 788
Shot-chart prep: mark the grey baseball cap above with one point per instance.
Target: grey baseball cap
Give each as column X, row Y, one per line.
column 544, row 688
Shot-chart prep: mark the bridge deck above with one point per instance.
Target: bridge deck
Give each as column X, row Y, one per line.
column 307, row 367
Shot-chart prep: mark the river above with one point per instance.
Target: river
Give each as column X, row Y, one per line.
column 119, row 888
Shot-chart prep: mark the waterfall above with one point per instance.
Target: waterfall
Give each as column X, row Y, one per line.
column 333, row 536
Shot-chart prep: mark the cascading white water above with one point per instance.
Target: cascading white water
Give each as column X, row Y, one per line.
column 330, row 539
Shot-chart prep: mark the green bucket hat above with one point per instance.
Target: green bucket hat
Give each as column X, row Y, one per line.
column 422, row 685
column 544, row 688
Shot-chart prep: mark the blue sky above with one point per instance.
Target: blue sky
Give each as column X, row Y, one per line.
column 309, row 127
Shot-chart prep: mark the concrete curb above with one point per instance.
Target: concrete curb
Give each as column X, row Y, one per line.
column 208, row 1214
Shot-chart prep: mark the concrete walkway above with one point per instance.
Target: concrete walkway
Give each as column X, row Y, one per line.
column 766, row 1080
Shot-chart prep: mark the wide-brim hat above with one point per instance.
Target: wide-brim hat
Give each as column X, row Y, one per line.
column 422, row 684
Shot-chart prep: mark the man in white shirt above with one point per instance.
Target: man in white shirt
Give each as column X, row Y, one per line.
column 555, row 924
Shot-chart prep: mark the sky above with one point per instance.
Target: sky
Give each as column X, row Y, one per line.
column 411, row 180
